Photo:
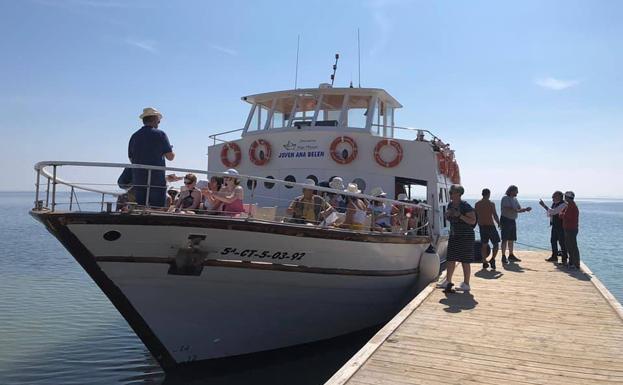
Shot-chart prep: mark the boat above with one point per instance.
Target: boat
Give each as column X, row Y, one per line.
column 206, row 287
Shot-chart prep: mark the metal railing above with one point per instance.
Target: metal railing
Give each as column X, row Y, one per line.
column 407, row 218
column 215, row 137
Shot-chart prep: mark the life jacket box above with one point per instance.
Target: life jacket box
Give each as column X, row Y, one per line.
column 478, row 251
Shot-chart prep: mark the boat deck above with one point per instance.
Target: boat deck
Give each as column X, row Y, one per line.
column 527, row 323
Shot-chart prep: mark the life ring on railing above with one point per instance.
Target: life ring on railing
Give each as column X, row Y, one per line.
column 261, row 158
column 225, row 154
column 443, row 163
column 345, row 157
column 456, row 176
column 388, row 142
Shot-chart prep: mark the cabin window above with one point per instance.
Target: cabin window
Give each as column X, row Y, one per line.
column 269, row 185
column 258, row 120
column 289, row 178
column 358, row 108
column 251, row 184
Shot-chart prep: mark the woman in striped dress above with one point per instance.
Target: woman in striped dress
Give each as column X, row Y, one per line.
column 461, row 243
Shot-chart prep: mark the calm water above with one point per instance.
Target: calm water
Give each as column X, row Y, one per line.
column 57, row 327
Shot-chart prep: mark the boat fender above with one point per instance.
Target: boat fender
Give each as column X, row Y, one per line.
column 392, row 143
column 262, row 157
column 225, row 155
column 343, row 157
column 429, row 266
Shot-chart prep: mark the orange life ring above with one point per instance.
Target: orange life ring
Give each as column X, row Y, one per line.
column 337, row 157
column 259, row 160
column 443, row 163
column 388, row 142
column 225, row 154
column 456, row 177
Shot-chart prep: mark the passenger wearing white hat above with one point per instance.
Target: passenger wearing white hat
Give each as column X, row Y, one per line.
column 381, row 212
column 309, row 207
column 337, row 200
column 356, row 209
column 150, row 146
column 231, row 194
column 570, row 223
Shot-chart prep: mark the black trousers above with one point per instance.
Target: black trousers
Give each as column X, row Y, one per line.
column 572, row 247
column 558, row 238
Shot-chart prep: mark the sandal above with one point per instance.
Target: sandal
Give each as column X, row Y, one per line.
column 449, row 289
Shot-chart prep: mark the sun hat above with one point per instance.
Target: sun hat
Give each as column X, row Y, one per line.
column 232, row 171
column 202, row 184
column 378, row 192
column 353, row 188
column 150, row 111
column 337, row 183
column 309, row 182
column 569, row 194
column 402, row 197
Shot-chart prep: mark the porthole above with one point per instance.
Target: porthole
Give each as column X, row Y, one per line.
column 361, row 184
column 251, row 184
column 269, row 185
column 290, row 178
column 313, row 177
column 112, row 235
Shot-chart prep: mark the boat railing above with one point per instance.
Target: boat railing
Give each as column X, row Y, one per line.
column 55, row 192
column 217, row 137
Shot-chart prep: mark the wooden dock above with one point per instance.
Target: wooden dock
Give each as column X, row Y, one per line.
column 529, row 323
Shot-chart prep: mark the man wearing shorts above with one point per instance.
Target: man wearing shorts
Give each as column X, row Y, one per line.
column 510, row 211
column 487, row 219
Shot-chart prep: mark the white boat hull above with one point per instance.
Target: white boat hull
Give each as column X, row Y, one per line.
column 260, row 287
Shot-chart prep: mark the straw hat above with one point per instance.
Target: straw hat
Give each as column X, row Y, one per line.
column 337, row 183
column 378, row 192
column 150, row 111
column 309, row 182
column 353, row 188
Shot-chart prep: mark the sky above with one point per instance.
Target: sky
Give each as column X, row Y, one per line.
column 527, row 92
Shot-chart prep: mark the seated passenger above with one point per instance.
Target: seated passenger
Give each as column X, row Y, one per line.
column 337, row 201
column 190, row 198
column 230, row 194
column 309, row 207
column 355, row 209
column 381, row 212
column 210, row 203
column 171, row 195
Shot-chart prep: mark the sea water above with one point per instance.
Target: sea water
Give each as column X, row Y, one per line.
column 56, row 327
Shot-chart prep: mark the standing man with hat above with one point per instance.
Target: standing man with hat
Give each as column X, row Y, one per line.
column 570, row 223
column 150, row 146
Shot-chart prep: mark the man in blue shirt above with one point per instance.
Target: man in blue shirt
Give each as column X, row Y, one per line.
column 150, row 146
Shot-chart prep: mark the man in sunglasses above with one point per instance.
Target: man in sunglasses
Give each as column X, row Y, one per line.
column 150, row 146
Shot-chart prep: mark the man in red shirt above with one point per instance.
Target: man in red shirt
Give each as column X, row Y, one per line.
column 570, row 220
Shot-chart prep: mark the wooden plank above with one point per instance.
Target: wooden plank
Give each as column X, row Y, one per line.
column 530, row 323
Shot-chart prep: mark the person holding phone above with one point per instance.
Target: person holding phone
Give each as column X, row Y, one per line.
column 557, row 236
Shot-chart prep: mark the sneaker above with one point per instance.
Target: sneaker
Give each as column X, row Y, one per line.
column 463, row 287
column 512, row 258
column 563, row 263
column 485, row 265
column 449, row 289
column 442, row 284
column 553, row 258
column 504, row 260
column 492, row 263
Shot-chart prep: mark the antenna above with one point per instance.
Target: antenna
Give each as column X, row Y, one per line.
column 359, row 56
column 337, row 56
column 296, row 72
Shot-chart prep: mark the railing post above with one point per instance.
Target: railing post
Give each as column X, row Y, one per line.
column 148, row 187
column 37, row 188
column 71, row 198
column 102, row 206
column 53, row 188
column 47, row 194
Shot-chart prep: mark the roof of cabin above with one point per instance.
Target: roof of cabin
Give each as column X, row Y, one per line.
column 332, row 97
